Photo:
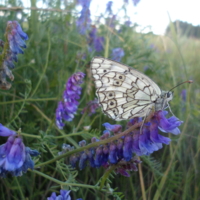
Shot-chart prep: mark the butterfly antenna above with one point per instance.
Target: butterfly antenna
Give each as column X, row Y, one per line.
column 189, row 81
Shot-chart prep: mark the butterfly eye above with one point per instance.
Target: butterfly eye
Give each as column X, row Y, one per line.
column 168, row 95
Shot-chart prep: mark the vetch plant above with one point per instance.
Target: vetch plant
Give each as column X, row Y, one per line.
column 15, row 41
column 68, row 106
column 15, row 157
column 119, row 147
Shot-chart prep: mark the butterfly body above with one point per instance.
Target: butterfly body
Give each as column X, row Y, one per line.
column 124, row 92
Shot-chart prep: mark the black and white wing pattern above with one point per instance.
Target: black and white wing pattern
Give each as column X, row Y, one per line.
column 123, row 92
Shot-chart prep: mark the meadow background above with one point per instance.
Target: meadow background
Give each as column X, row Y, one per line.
column 56, row 50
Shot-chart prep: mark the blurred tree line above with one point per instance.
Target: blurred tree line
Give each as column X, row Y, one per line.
column 184, row 29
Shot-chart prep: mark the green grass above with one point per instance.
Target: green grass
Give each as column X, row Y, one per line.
column 49, row 60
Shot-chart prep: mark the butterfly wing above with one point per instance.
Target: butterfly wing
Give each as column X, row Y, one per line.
column 123, row 92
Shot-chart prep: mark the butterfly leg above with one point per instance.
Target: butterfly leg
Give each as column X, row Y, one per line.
column 170, row 109
column 168, row 106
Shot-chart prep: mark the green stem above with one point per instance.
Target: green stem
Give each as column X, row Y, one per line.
column 80, row 121
column 57, row 163
column 34, row 100
column 64, row 183
column 19, row 111
column 106, row 175
column 52, row 123
column 106, row 47
column 30, row 135
column 46, row 64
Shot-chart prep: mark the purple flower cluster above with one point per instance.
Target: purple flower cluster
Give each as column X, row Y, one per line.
column 15, row 157
column 91, row 107
column 84, row 21
column 117, row 54
column 109, row 7
column 68, row 106
column 15, row 41
column 135, row 2
column 123, row 150
column 64, row 195
column 95, row 42
column 127, row 23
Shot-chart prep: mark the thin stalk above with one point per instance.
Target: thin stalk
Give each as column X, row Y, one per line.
column 64, row 183
column 142, row 182
column 34, row 100
column 50, row 122
column 46, row 64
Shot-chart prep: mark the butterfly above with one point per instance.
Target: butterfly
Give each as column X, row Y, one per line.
column 124, row 92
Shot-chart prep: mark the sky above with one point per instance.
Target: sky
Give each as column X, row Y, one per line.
column 154, row 13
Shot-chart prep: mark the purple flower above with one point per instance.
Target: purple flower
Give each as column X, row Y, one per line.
column 105, row 135
column 109, row 7
column 184, row 95
column 154, row 136
column 59, row 115
column 135, row 2
column 68, row 106
column 64, row 195
column 146, row 145
column 99, row 44
column 117, row 54
column 92, row 35
column 91, row 107
column 82, row 161
column 122, row 151
column 116, row 128
column 16, row 41
column 82, row 143
column 16, row 37
column 15, row 157
column 128, row 23
column 14, row 25
column 127, row 148
column 168, row 125
column 5, row 132
column 84, row 21
column 84, row 3
column 123, row 166
column 113, row 153
column 95, row 43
